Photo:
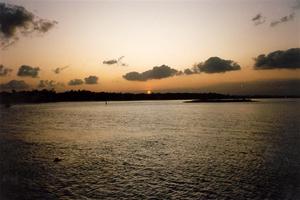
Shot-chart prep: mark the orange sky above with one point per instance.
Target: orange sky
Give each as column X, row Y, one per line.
column 152, row 33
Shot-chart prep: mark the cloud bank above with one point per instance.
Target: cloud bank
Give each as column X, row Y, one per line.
column 28, row 71
column 16, row 21
column 14, row 85
column 4, row 71
column 289, row 59
column 210, row 66
column 91, row 80
column 159, row 72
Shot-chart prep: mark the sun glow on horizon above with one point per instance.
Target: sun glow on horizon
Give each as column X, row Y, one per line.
column 137, row 46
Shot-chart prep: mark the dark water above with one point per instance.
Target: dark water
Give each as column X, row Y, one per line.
column 144, row 150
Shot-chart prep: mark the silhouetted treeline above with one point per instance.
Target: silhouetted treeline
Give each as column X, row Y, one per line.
column 43, row 96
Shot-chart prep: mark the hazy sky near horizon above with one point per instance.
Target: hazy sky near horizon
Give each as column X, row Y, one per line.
column 152, row 33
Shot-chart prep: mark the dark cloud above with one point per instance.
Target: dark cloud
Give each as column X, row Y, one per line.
column 193, row 70
column 258, row 19
column 289, row 59
column 115, row 61
column 188, row 72
column 216, row 65
column 110, row 62
column 4, row 71
column 91, row 80
column 14, row 85
column 49, row 84
column 282, row 20
column 59, row 69
column 16, row 21
column 76, row 82
column 133, row 76
column 160, row 72
column 28, row 71
column 211, row 65
column 88, row 80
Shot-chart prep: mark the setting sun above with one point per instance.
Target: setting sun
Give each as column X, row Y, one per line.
column 149, row 92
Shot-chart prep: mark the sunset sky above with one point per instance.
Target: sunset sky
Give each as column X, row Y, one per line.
column 84, row 40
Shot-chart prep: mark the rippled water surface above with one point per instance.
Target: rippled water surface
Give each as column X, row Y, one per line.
column 151, row 149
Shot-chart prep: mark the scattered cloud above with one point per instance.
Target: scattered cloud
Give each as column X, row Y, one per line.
column 289, row 59
column 44, row 25
column 296, row 5
column 59, row 69
column 115, row 61
column 258, row 19
column 110, row 62
column 160, row 72
column 88, row 80
column 28, row 71
column 49, row 84
column 14, row 85
column 287, row 18
column 16, row 21
column 4, row 71
column 75, row 82
column 91, row 80
column 282, row 20
column 120, row 58
column 214, row 65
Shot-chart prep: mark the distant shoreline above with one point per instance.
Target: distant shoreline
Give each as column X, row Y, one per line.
column 219, row 100
column 50, row 96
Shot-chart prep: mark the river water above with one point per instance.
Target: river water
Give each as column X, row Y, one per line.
column 151, row 150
